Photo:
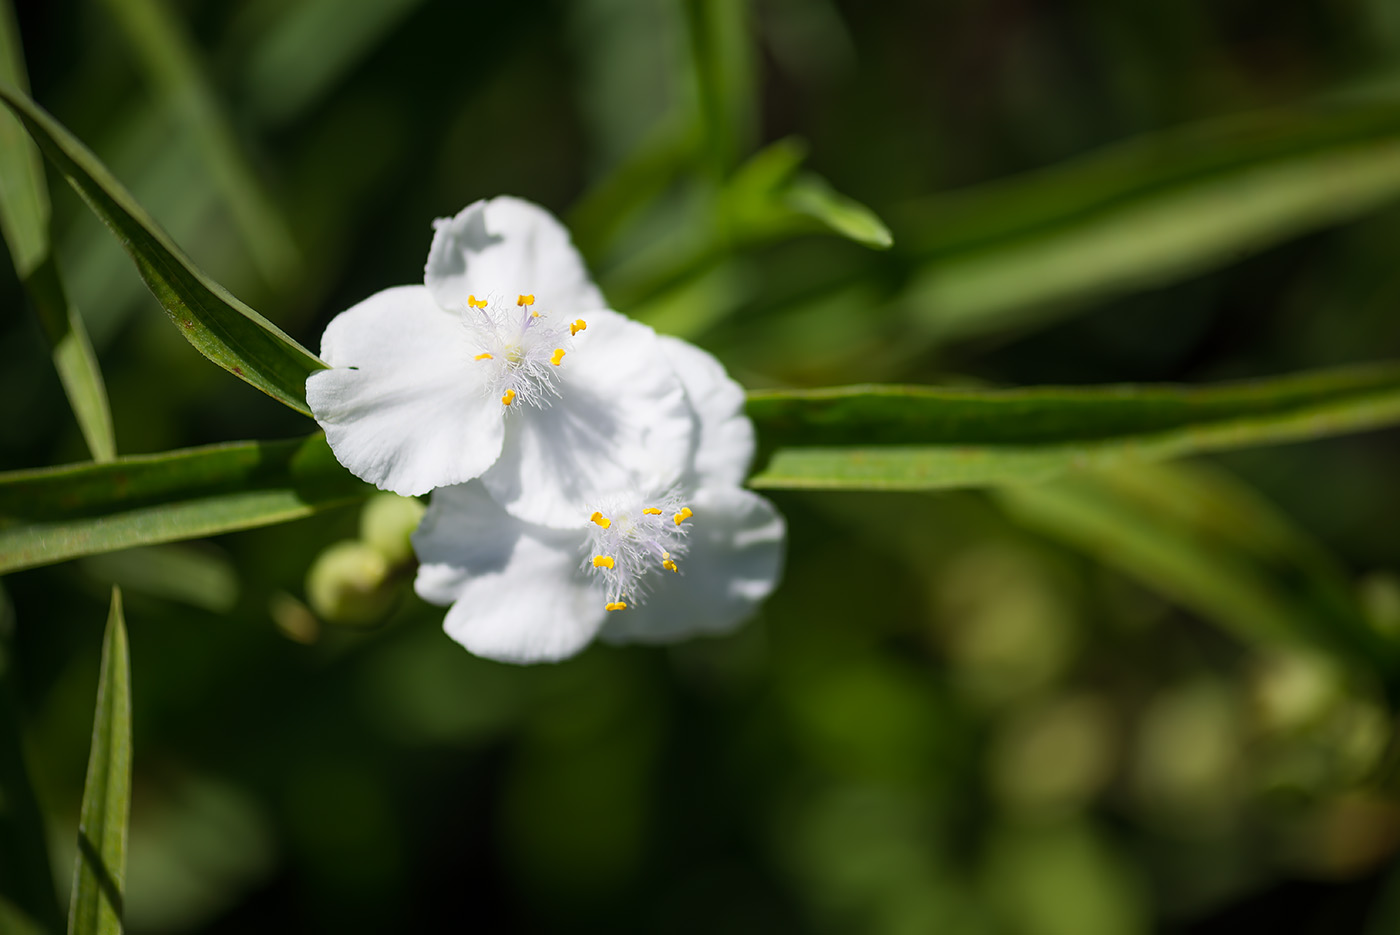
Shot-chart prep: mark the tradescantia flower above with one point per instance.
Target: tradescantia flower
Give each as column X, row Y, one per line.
column 645, row 563
column 506, row 366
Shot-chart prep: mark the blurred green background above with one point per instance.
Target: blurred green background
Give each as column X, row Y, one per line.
column 1077, row 709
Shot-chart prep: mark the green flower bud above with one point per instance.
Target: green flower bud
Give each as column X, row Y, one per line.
column 350, row 583
column 386, row 523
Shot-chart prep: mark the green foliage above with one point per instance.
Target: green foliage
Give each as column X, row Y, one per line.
column 99, row 876
column 53, row 514
column 219, row 326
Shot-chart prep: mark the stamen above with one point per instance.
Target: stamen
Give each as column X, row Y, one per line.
column 603, row 561
column 483, row 357
column 685, row 514
column 616, row 605
column 667, row 563
column 557, row 356
column 578, row 325
column 600, row 519
column 525, row 300
column 652, row 511
column 510, row 398
column 474, row 302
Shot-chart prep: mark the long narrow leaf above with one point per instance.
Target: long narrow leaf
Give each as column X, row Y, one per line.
column 59, row 513
column 219, row 326
column 24, row 219
column 99, row 872
column 917, row 438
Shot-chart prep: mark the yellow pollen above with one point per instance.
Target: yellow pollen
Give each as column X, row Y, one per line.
column 685, row 514
column 652, row 511
column 578, row 325
column 474, row 302
column 603, row 561
column 616, row 605
column 600, row 519
column 534, row 314
column 510, row 398
column 525, row 300
column 557, row 357
column 482, row 357
column 667, row 563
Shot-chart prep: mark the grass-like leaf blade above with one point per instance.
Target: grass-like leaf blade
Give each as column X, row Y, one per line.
column 99, row 872
column 25, row 221
column 219, row 326
column 53, row 514
column 924, row 438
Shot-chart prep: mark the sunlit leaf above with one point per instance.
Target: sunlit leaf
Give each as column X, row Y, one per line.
column 25, row 221
column 53, row 514
column 219, row 326
column 99, row 873
column 923, row 438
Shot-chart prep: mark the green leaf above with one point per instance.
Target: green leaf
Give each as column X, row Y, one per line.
column 170, row 60
column 1015, row 252
column 219, row 326
column 721, row 49
column 922, row 438
column 53, row 514
column 27, row 899
column 1207, row 541
column 25, row 221
column 99, row 873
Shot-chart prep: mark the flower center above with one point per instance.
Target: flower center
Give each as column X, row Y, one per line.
column 519, row 350
column 629, row 538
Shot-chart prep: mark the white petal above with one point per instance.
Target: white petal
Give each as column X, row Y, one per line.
column 623, row 421
column 516, row 590
column 734, row 561
column 502, row 248
column 726, row 445
column 400, row 406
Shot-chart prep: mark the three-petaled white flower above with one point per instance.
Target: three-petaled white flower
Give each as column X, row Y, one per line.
column 650, row 563
column 506, row 365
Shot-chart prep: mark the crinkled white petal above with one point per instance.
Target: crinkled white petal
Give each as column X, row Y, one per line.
column 726, row 440
column 505, row 247
column 622, row 421
column 734, row 560
column 516, row 590
column 401, row 406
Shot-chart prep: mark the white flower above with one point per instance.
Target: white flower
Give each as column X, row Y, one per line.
column 649, row 564
column 505, row 366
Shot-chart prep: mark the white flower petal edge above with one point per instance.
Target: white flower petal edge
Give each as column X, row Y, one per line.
column 725, row 447
column 623, row 419
column 734, row 561
column 506, row 243
column 398, row 406
column 517, row 591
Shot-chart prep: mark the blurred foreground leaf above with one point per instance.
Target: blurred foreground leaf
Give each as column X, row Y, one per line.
column 219, row 326
column 1205, row 540
column 99, row 874
column 53, row 514
column 25, row 220
column 924, row 438
column 167, row 54
column 1144, row 213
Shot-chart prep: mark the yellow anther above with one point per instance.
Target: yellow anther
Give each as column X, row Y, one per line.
column 600, row 519
column 578, row 325
column 534, row 314
column 474, row 302
column 616, row 605
column 510, row 398
column 685, row 514
column 482, row 357
column 652, row 511
column 525, row 300
column 557, row 356
column 667, row 563
column 603, row 561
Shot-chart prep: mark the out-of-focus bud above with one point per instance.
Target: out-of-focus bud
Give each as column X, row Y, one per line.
column 386, row 523
column 350, row 583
